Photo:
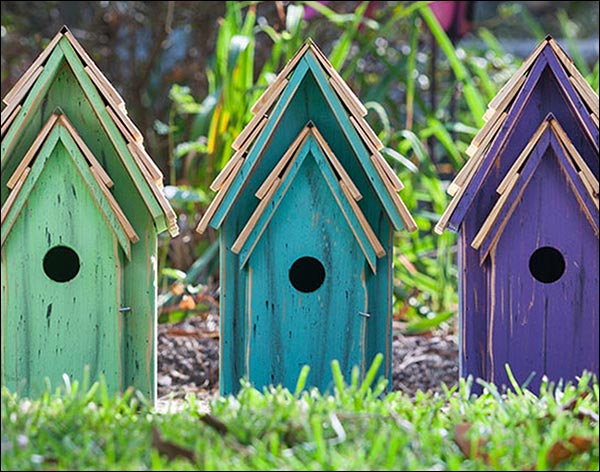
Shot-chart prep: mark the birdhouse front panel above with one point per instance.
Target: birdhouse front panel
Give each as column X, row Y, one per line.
column 526, row 202
column 307, row 206
column 306, row 286
column 543, row 315
column 63, row 253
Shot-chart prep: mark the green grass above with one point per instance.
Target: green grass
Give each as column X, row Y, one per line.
column 357, row 427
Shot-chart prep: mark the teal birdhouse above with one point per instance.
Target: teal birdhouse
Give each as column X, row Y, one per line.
column 306, row 208
column 82, row 205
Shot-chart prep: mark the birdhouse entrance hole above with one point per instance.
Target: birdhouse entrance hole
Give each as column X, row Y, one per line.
column 61, row 264
column 307, row 274
column 547, row 264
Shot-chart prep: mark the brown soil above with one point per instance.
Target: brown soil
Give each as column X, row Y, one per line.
column 188, row 359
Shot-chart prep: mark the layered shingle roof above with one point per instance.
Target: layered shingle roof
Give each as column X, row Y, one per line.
column 350, row 115
column 503, row 117
column 109, row 108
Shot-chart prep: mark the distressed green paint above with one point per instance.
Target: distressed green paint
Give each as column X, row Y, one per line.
column 97, row 106
column 305, row 102
column 64, row 84
column 139, row 294
column 53, row 327
column 60, row 136
column 28, row 121
column 73, row 91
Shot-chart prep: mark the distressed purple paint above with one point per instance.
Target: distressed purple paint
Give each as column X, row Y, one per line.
column 508, row 313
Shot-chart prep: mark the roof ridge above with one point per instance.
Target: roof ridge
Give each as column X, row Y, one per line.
column 583, row 88
column 82, row 65
column 37, row 62
column 489, row 140
column 523, row 69
column 361, row 139
column 149, row 171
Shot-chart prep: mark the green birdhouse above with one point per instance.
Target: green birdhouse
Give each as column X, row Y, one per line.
column 82, row 205
column 306, row 208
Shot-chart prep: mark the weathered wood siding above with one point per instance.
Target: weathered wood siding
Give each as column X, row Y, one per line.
column 59, row 87
column 48, row 327
column 288, row 328
column 539, row 96
column 307, row 103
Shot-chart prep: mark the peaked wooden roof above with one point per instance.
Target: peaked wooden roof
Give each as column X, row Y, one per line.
column 499, row 119
column 584, row 184
column 349, row 112
column 58, row 129
column 69, row 47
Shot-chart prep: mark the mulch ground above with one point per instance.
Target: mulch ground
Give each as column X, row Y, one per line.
column 188, row 359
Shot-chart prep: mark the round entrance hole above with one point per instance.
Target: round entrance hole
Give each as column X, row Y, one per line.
column 61, row 264
column 307, row 274
column 547, row 264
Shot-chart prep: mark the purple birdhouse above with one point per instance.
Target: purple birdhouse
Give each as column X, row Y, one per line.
column 525, row 206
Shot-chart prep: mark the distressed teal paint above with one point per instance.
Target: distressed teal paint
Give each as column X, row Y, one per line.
column 288, row 328
column 310, row 148
column 308, row 70
column 354, row 138
column 264, row 354
column 261, row 143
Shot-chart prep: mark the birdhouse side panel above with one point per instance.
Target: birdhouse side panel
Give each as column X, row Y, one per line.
column 380, row 290
column 472, row 299
column 139, row 316
column 232, row 308
column 307, row 300
column 61, row 279
column 543, row 296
